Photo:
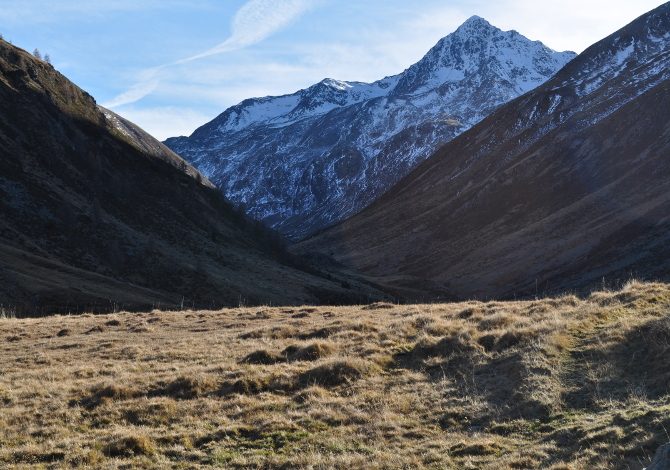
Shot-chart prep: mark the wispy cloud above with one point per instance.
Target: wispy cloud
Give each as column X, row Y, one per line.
column 149, row 81
column 255, row 21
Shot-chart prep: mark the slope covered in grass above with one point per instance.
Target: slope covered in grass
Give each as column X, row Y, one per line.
column 554, row 383
column 95, row 213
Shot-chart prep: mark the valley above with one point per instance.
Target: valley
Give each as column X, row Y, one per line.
column 462, row 266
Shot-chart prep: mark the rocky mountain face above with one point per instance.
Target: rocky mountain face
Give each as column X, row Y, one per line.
column 97, row 215
column 564, row 187
column 304, row 161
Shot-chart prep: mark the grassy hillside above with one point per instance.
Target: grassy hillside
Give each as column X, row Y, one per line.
column 95, row 213
column 554, row 383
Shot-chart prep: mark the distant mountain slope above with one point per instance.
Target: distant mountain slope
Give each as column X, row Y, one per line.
column 560, row 188
column 96, row 214
column 305, row 161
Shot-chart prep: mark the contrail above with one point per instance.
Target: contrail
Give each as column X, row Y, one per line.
column 147, row 84
column 255, row 21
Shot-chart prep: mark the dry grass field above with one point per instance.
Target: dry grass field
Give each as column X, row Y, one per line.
column 562, row 383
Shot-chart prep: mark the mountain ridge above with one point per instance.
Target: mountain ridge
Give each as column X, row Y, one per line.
column 558, row 189
column 304, row 161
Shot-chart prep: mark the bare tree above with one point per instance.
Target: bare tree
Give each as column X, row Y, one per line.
column 47, row 59
column 37, row 54
column 1, row 37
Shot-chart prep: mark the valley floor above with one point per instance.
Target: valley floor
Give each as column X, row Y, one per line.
column 555, row 383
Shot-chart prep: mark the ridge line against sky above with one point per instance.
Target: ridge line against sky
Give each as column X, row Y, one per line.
column 173, row 65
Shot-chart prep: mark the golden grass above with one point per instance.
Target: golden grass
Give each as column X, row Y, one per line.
column 555, row 383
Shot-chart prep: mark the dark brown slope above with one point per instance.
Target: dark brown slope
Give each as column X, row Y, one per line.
column 96, row 214
column 557, row 190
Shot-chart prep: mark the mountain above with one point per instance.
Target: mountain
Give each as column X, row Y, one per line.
column 304, row 161
column 562, row 188
column 96, row 214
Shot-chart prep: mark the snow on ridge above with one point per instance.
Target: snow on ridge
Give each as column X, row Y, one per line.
column 309, row 159
column 611, row 63
column 514, row 53
column 622, row 55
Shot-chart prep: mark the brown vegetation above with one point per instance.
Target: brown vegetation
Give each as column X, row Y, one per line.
column 562, row 383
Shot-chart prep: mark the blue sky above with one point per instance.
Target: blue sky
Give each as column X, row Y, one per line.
column 172, row 65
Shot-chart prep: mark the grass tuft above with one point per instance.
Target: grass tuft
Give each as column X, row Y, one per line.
column 310, row 352
column 101, row 394
column 186, row 388
column 130, row 446
column 337, row 372
column 264, row 357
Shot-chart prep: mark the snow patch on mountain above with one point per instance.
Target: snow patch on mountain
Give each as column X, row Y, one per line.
column 603, row 79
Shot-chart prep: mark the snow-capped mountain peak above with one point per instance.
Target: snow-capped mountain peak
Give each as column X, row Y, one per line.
column 478, row 48
column 336, row 84
column 475, row 19
column 309, row 159
column 475, row 25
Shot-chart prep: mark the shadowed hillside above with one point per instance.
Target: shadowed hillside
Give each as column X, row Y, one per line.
column 95, row 214
column 558, row 189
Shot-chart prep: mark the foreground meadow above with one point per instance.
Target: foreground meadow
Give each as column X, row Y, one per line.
column 563, row 383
